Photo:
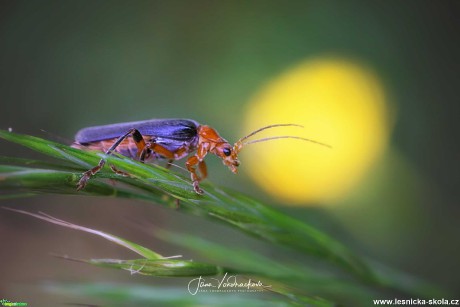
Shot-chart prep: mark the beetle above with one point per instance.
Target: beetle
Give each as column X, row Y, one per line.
column 171, row 139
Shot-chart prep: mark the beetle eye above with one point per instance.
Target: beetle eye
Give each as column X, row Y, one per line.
column 227, row 151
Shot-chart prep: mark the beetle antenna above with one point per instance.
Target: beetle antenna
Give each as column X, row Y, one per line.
column 264, row 128
column 239, row 144
column 285, row 137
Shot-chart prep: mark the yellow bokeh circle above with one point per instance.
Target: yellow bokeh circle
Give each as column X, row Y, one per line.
column 339, row 103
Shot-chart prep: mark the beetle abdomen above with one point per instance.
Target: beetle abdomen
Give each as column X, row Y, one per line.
column 174, row 135
column 126, row 148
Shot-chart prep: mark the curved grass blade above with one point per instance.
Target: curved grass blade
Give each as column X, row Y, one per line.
column 25, row 182
column 156, row 265
column 145, row 252
column 39, row 164
column 227, row 206
column 295, row 278
column 159, row 267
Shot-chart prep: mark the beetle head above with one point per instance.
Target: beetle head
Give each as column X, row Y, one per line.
column 217, row 145
column 228, row 155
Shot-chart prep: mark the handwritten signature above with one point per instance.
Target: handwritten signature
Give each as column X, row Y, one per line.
column 227, row 282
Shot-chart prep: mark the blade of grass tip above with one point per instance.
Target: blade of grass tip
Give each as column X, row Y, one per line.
column 35, row 143
column 145, row 252
column 75, row 156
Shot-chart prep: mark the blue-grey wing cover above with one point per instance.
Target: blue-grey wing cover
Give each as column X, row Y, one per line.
column 173, row 129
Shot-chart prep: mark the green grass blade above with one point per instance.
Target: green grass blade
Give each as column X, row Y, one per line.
column 300, row 278
column 229, row 207
column 242, row 259
column 151, row 183
column 142, row 295
column 160, row 267
column 22, row 182
column 62, row 165
column 156, row 265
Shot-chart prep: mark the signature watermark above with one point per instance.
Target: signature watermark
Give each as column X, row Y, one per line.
column 228, row 283
column 5, row 302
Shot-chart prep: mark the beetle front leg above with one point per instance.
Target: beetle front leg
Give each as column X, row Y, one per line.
column 197, row 159
column 190, row 164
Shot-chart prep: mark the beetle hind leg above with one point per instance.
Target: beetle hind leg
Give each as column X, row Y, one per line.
column 169, row 163
column 88, row 174
column 118, row 172
column 140, row 144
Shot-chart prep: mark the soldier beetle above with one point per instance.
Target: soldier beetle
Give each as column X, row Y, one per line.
column 171, row 139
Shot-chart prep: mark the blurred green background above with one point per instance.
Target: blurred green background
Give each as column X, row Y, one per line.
column 65, row 65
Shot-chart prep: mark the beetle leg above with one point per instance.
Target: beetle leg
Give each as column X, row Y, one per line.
column 161, row 150
column 197, row 159
column 140, row 143
column 86, row 175
column 144, row 153
column 178, row 154
column 118, row 172
column 203, row 170
column 190, row 164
